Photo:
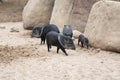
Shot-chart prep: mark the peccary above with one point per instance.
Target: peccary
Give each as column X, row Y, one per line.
column 36, row 31
column 60, row 41
column 46, row 29
column 40, row 32
column 67, row 31
column 84, row 41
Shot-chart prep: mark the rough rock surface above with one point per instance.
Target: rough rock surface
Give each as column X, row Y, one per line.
column 61, row 12
column 74, row 12
column 103, row 27
column 11, row 10
column 37, row 12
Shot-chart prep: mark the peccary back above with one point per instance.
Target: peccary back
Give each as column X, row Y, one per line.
column 60, row 41
column 67, row 31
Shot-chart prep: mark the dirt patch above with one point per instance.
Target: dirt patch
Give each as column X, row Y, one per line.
column 23, row 58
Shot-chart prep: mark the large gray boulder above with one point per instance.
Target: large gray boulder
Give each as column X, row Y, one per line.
column 73, row 12
column 61, row 12
column 37, row 12
column 103, row 27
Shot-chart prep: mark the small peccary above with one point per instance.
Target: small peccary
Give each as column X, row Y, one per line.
column 60, row 41
column 67, row 31
column 36, row 31
column 84, row 41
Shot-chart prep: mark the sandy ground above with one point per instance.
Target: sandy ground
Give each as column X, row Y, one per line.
column 23, row 58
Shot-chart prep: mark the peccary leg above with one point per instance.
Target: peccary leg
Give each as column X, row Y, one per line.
column 57, row 49
column 48, row 47
column 44, row 41
column 87, row 46
column 41, row 41
column 71, row 36
column 78, row 42
column 82, row 44
column 64, row 51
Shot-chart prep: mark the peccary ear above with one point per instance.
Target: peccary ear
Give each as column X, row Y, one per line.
column 65, row 25
column 69, row 25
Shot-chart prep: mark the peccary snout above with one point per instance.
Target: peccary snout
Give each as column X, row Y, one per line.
column 60, row 41
column 69, row 43
column 36, row 31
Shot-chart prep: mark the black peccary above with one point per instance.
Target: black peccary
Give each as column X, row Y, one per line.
column 36, row 31
column 60, row 41
column 67, row 31
column 46, row 29
column 40, row 32
column 84, row 41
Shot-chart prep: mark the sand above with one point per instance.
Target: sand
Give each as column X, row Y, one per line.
column 23, row 58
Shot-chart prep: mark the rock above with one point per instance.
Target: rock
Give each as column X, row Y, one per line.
column 11, row 10
column 76, row 33
column 103, row 27
column 61, row 12
column 14, row 29
column 2, row 27
column 37, row 12
column 73, row 12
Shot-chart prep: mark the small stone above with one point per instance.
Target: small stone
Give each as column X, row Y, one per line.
column 14, row 29
column 2, row 27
